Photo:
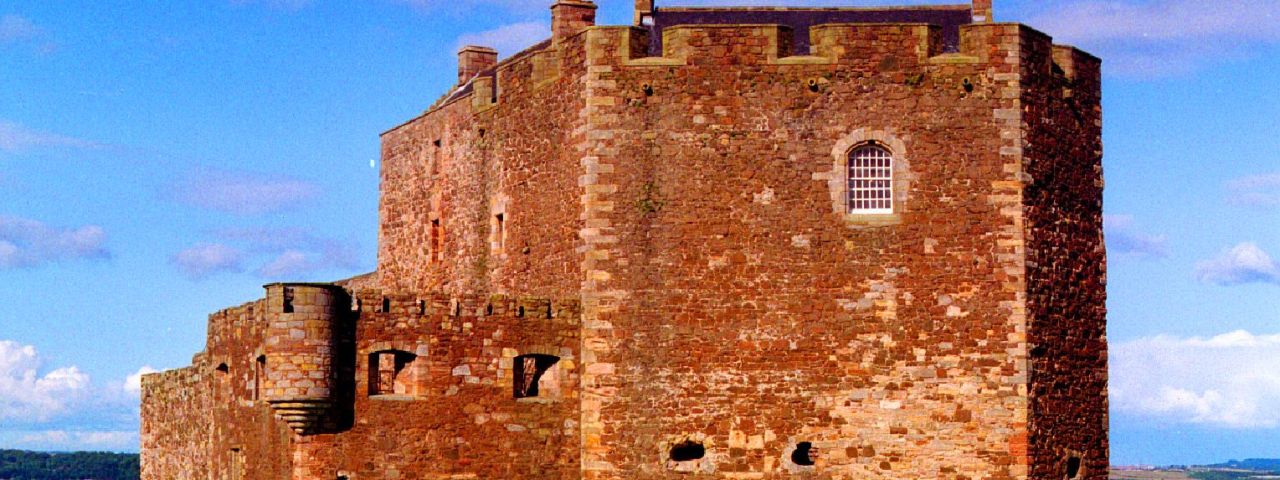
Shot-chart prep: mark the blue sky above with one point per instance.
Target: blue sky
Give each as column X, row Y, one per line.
column 162, row 160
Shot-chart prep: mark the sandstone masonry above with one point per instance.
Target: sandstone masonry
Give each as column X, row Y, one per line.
column 632, row 252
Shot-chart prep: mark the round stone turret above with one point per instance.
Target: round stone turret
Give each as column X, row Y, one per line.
column 303, row 323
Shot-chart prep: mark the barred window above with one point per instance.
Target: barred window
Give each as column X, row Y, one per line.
column 870, row 180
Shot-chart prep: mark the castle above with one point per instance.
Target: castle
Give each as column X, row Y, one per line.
column 731, row 243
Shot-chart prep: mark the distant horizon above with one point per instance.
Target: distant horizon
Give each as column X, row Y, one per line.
column 1113, row 464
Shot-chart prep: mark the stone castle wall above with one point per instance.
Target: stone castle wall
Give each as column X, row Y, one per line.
column 175, row 417
column 739, row 309
column 454, row 418
column 515, row 160
column 1066, row 263
column 685, row 213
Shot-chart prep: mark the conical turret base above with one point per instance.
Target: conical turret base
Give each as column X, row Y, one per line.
column 304, row 415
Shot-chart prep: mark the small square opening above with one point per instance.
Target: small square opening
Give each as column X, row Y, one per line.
column 532, row 377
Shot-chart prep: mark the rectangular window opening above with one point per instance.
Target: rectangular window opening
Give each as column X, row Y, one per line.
column 499, row 232
column 870, row 181
column 437, row 242
column 390, row 373
column 288, row 300
column 259, row 376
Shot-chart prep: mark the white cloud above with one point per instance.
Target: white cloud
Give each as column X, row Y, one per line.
column 291, row 263
column 295, row 253
column 1261, row 191
column 28, row 243
column 62, row 409
column 1225, row 381
column 133, row 383
column 508, row 39
column 64, row 440
column 17, row 138
column 205, row 259
column 1126, row 240
column 1243, row 263
column 27, row 395
column 283, row 253
column 243, row 193
column 15, row 27
column 1162, row 37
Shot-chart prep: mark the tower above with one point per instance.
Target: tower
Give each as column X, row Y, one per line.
column 771, row 243
column 304, row 325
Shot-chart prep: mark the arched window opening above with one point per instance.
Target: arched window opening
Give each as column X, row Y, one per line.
column 1073, row 467
column 390, row 373
column 687, row 451
column 530, row 375
column 870, row 180
column 803, row 454
column 499, row 233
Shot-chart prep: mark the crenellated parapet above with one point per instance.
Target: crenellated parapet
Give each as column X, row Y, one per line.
column 884, row 46
column 831, row 44
column 379, row 303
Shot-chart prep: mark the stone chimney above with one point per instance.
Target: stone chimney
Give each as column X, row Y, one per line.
column 982, row 11
column 644, row 8
column 474, row 59
column 569, row 17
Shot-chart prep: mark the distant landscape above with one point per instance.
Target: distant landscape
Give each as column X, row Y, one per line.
column 1255, row 468
column 23, row 465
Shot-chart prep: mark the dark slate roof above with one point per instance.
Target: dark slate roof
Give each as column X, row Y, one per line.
column 949, row 17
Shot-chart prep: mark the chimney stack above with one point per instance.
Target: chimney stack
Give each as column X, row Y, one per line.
column 569, row 17
column 644, row 8
column 474, row 59
column 982, row 11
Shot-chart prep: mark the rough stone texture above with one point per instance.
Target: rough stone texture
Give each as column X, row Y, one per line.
column 674, row 230
column 1066, row 260
column 461, row 423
